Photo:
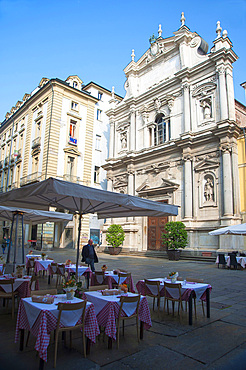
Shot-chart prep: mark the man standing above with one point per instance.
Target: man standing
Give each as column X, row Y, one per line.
column 89, row 255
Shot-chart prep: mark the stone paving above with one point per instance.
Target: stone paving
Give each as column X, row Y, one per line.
column 215, row 343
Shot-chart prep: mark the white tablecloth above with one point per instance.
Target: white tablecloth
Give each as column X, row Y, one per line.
column 68, row 318
column 199, row 288
column 100, row 301
column 17, row 283
column 240, row 260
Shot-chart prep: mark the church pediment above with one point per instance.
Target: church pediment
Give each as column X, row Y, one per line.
column 166, row 186
column 72, row 151
column 120, row 181
column 206, row 164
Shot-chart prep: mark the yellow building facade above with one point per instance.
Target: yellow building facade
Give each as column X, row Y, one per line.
column 49, row 133
column 241, row 121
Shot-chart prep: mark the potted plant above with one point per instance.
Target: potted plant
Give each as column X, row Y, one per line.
column 115, row 236
column 175, row 238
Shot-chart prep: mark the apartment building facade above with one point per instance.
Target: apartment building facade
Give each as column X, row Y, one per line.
column 51, row 133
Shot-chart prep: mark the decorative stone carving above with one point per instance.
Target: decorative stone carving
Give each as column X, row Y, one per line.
column 157, row 104
column 206, row 105
column 123, row 140
column 209, row 189
column 203, row 90
column 120, row 183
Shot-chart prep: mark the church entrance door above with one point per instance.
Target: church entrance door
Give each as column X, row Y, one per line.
column 155, row 229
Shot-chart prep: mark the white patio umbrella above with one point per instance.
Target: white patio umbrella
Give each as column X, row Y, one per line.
column 234, row 229
column 28, row 216
column 80, row 199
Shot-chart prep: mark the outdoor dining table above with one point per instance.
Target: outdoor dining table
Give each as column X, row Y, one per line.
column 107, row 310
column 111, row 278
column 188, row 291
column 42, row 265
column 241, row 260
column 21, row 285
column 41, row 319
column 82, row 271
column 35, row 256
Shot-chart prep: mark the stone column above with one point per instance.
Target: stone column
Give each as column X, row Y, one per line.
column 130, row 179
column 235, row 180
column 133, row 128
column 145, row 132
column 170, row 106
column 230, row 93
column 222, row 93
column 188, row 191
column 186, row 107
column 227, row 180
column 109, row 181
column 112, row 139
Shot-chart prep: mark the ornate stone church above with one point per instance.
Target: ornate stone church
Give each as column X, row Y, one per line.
column 173, row 138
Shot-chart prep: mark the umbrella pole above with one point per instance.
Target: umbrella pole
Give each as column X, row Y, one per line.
column 10, row 241
column 77, row 259
column 22, row 225
column 16, row 234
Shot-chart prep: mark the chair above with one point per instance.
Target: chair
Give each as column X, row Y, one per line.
column 127, row 277
column 44, row 292
column 124, row 301
column 34, row 283
column 154, row 288
column 99, row 277
column 194, row 298
column 233, row 260
column 9, row 296
column 173, row 299
column 222, row 260
column 70, row 307
column 60, row 272
column 53, row 270
column 97, row 287
column 3, row 269
column 31, row 265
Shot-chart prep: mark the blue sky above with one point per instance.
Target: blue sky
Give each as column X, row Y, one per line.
column 94, row 39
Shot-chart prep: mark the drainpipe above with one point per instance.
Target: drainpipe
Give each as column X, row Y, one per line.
column 48, row 145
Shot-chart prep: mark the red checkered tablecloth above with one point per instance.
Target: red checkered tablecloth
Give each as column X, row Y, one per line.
column 186, row 292
column 41, row 266
column 23, row 289
column 107, row 316
column 46, row 323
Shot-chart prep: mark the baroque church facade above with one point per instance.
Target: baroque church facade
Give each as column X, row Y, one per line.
column 173, row 138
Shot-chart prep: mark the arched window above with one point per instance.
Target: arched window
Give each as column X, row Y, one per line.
column 161, row 130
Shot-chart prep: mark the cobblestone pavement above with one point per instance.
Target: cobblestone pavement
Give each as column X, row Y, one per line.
column 215, row 343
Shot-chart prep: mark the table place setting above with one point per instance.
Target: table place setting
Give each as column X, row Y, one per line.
column 41, row 319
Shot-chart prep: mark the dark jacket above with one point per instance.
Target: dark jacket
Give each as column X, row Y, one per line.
column 85, row 253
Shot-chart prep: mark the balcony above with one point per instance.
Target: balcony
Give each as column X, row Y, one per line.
column 36, row 143
column 72, row 140
column 33, row 177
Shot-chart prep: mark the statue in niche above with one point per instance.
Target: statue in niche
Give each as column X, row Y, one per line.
column 123, row 140
column 209, row 190
column 206, row 108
